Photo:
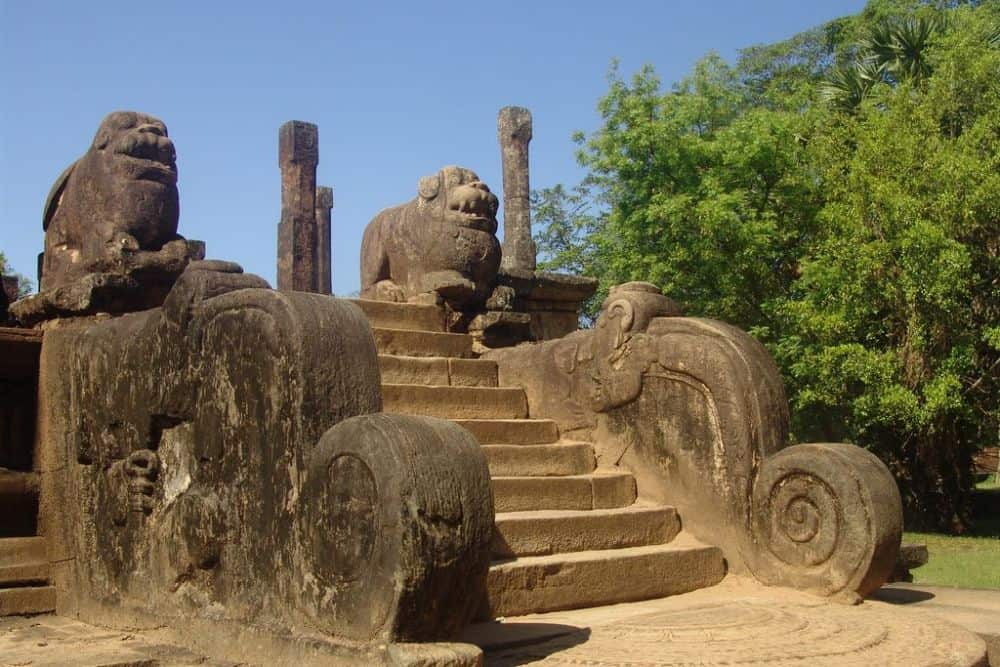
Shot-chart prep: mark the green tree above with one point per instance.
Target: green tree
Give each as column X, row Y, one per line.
column 891, row 334
column 24, row 284
column 861, row 247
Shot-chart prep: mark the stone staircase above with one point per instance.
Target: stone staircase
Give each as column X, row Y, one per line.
column 568, row 535
column 24, row 565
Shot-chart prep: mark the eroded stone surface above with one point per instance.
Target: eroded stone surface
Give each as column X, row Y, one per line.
column 443, row 243
column 54, row 641
column 214, row 464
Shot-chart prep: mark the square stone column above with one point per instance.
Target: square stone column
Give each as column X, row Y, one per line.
column 514, row 133
column 298, row 155
column 324, row 260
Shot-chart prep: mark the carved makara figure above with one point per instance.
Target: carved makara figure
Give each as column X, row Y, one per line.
column 695, row 408
column 443, row 241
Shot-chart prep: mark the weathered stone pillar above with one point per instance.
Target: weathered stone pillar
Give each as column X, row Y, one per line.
column 324, row 267
column 514, row 132
column 298, row 155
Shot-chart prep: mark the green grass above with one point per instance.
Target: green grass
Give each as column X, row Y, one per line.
column 964, row 562
column 967, row 561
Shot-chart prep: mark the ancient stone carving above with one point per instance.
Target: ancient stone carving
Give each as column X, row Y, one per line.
column 141, row 469
column 442, row 242
column 726, row 625
column 218, row 466
column 824, row 517
column 696, row 410
column 110, row 221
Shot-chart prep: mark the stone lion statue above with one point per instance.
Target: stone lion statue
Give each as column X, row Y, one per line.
column 110, row 221
column 443, row 241
column 119, row 198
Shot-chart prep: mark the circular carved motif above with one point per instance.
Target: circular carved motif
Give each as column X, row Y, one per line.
column 805, row 520
column 756, row 631
column 345, row 520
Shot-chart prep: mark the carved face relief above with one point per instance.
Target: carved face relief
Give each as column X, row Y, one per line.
column 622, row 351
column 462, row 198
column 137, row 147
column 616, row 371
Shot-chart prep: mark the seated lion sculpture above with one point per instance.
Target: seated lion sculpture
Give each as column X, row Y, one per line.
column 110, row 221
column 120, row 197
column 443, row 241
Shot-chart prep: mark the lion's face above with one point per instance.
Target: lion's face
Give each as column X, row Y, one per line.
column 459, row 197
column 135, row 146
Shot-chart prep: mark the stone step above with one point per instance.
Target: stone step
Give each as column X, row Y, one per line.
column 389, row 315
column 599, row 490
column 405, row 342
column 23, row 560
column 19, row 503
column 569, row 458
column 18, row 483
column 438, row 371
column 17, row 550
column 27, row 600
column 24, row 573
column 511, row 431
column 560, row 531
column 592, row 578
column 455, row 402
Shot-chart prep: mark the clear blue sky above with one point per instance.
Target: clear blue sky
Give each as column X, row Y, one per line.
column 398, row 90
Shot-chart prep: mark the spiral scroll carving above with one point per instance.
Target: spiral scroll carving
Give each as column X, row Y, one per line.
column 805, row 520
column 825, row 518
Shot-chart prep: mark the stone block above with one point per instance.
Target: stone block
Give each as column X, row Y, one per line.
column 511, row 431
column 455, row 402
column 538, row 584
column 575, row 458
column 544, row 532
column 225, row 458
column 406, row 342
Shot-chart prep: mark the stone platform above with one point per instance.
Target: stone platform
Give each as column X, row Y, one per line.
column 974, row 609
column 734, row 623
column 55, row 641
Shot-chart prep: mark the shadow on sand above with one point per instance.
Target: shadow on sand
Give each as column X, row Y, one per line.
column 900, row 595
column 510, row 644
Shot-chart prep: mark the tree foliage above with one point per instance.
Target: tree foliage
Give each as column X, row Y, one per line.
column 860, row 242
column 24, row 284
